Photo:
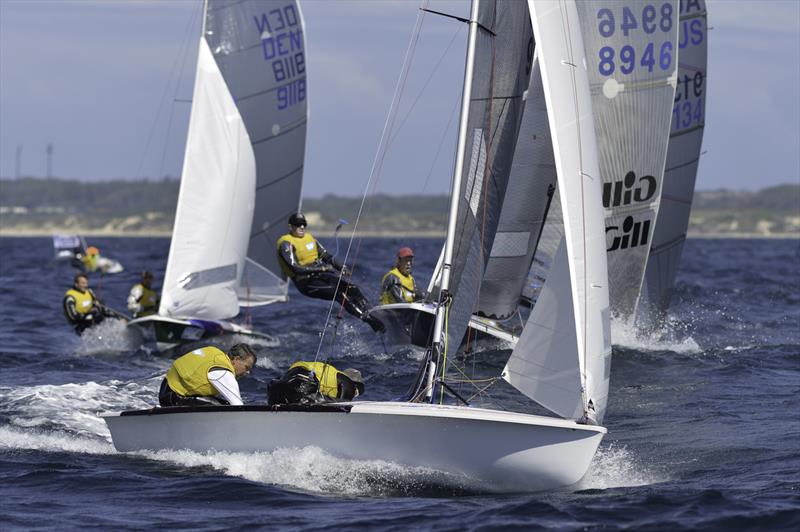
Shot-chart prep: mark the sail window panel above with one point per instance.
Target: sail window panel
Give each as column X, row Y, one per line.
column 211, row 276
column 477, row 166
column 511, row 244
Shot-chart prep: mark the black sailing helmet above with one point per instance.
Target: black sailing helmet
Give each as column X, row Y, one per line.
column 297, row 219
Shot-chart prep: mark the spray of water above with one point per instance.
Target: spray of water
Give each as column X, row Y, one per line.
column 614, row 466
column 670, row 337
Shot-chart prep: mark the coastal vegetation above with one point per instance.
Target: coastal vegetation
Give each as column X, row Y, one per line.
column 45, row 206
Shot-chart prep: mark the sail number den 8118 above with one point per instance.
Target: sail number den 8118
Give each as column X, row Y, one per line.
column 282, row 44
column 651, row 20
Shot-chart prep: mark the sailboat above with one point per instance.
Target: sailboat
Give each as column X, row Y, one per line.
column 633, row 49
column 242, row 172
column 562, row 360
column 683, row 157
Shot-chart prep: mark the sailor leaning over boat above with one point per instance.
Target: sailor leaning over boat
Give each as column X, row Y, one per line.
column 318, row 274
column 207, row 376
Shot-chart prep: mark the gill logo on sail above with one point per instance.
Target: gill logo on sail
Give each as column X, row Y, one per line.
column 633, row 234
column 623, row 192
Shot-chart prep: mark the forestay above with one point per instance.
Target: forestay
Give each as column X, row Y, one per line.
column 632, row 57
column 500, row 73
column 215, row 204
column 259, row 46
column 527, row 200
column 562, row 359
column 683, row 156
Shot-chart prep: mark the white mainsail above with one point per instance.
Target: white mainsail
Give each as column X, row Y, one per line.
column 562, row 360
column 215, row 204
column 242, row 171
column 683, row 157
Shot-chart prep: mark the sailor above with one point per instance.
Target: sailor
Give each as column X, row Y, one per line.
column 316, row 273
column 314, row 382
column 82, row 308
column 207, row 376
column 142, row 300
column 88, row 261
column 398, row 284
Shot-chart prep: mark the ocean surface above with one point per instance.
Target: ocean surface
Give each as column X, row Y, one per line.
column 703, row 421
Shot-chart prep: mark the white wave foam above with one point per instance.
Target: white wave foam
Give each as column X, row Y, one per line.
column 625, row 333
column 614, row 466
column 75, row 407
column 310, row 469
column 54, row 442
column 111, row 337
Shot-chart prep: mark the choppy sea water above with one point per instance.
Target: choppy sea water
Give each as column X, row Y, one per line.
column 704, row 422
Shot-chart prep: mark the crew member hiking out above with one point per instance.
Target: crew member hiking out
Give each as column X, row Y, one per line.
column 316, row 273
column 398, row 285
column 143, row 300
column 207, row 376
column 82, row 308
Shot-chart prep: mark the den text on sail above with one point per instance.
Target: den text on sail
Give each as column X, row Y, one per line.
column 282, row 45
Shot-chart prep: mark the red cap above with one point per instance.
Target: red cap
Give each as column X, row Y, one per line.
column 405, row 252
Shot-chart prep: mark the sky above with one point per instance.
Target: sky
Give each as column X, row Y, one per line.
column 107, row 83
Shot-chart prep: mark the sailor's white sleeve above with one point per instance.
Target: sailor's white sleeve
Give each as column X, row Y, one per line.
column 225, row 383
column 133, row 299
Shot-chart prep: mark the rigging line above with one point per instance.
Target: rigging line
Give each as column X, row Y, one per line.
column 386, row 128
column 425, row 86
column 173, row 70
column 184, row 54
column 441, row 143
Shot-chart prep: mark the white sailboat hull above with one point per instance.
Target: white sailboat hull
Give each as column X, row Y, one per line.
column 412, row 323
column 488, row 449
column 162, row 333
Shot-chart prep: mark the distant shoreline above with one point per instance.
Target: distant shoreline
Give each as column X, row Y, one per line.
column 28, row 233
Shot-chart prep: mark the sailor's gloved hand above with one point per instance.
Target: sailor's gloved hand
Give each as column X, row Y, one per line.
column 345, row 271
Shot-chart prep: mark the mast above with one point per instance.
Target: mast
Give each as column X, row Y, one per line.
column 447, row 264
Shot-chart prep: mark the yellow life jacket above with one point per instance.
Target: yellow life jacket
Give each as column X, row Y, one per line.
column 147, row 301
column 89, row 263
column 305, row 249
column 188, row 375
column 408, row 287
column 326, row 374
column 84, row 301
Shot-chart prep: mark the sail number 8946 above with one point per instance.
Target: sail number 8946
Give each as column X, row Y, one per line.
column 627, row 58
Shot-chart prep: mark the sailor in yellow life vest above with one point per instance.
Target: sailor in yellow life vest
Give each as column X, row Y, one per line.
column 398, row 285
column 207, row 376
column 82, row 308
column 142, row 300
column 318, row 274
column 88, row 261
column 315, row 382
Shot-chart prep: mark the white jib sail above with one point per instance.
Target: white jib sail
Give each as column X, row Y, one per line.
column 215, row 204
column 579, row 387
